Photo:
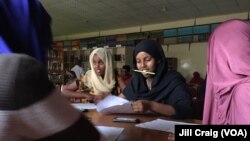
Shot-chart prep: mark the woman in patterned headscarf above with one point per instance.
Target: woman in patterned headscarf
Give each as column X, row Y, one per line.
column 31, row 108
column 228, row 75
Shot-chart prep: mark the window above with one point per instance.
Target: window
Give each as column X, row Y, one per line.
column 185, row 31
column 170, row 33
column 201, row 29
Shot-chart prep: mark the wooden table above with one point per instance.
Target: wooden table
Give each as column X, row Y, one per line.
column 131, row 132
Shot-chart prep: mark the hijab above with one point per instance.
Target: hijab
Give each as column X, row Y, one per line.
column 25, row 28
column 228, row 65
column 164, row 81
column 96, row 82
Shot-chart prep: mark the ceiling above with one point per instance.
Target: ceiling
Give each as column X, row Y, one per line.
column 84, row 16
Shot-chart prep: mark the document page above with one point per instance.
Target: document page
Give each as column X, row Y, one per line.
column 114, row 104
column 84, row 106
column 162, row 125
column 110, row 133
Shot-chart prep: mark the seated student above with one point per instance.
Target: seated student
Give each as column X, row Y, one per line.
column 202, row 90
column 199, row 100
column 99, row 81
column 228, row 74
column 70, row 77
column 31, row 107
column 165, row 92
column 125, row 74
column 124, row 77
column 77, row 68
column 196, row 80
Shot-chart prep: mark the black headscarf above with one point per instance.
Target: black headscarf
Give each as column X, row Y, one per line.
column 25, row 28
column 164, row 81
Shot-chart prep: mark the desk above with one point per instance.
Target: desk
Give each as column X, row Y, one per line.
column 131, row 132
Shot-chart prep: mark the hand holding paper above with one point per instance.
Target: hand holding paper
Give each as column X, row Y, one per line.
column 114, row 104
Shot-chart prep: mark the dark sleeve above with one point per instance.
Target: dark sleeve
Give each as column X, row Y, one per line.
column 181, row 100
column 82, row 130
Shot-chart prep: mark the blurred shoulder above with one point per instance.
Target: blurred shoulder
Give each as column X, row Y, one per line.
column 16, row 58
column 20, row 64
column 22, row 76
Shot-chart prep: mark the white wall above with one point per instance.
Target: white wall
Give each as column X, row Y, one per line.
column 191, row 57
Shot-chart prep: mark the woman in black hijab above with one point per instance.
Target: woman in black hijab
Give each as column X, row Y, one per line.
column 164, row 92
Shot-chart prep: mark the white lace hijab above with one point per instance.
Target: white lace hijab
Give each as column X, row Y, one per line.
column 92, row 80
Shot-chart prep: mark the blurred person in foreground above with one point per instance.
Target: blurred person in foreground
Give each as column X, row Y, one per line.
column 31, row 108
column 228, row 75
column 228, row 70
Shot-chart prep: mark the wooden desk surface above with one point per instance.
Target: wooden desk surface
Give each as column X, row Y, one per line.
column 131, row 132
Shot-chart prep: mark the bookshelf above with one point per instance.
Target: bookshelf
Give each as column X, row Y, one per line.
column 84, row 57
column 55, row 65
column 55, row 62
column 121, row 56
column 69, row 58
column 172, row 63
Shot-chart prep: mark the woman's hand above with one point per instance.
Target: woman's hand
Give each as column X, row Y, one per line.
column 88, row 96
column 141, row 106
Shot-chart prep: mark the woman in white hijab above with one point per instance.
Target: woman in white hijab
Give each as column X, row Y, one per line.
column 101, row 77
column 97, row 82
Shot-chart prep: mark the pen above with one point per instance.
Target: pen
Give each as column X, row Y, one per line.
column 145, row 72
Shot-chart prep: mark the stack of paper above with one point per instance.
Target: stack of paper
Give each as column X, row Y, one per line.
column 84, row 106
column 110, row 133
column 162, row 125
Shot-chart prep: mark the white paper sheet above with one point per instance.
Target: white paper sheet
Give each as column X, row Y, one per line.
column 114, row 104
column 162, row 125
column 83, row 106
column 110, row 133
